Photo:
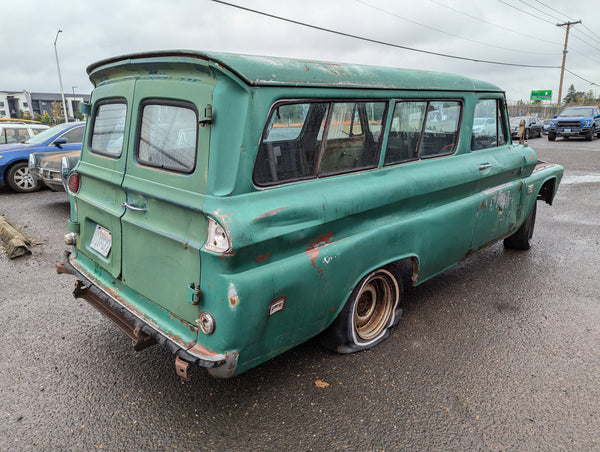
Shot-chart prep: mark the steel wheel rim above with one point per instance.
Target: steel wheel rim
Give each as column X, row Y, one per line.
column 23, row 179
column 374, row 306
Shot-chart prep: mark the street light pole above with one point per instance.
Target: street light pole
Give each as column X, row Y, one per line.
column 62, row 93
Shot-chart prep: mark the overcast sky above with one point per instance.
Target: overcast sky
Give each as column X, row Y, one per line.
column 475, row 29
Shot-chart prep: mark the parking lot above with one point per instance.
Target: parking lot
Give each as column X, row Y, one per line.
column 501, row 352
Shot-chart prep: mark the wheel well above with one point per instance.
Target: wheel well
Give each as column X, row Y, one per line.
column 406, row 269
column 547, row 191
column 16, row 162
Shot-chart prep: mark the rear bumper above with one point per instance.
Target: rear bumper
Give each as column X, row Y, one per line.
column 142, row 334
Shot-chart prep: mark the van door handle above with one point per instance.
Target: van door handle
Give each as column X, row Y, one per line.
column 132, row 207
column 484, row 166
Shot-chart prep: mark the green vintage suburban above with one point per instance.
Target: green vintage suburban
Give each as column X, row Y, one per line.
column 231, row 207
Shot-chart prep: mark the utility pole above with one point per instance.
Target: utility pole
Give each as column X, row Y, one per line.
column 562, row 68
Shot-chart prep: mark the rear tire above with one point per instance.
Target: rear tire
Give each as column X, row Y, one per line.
column 521, row 240
column 368, row 315
column 19, row 179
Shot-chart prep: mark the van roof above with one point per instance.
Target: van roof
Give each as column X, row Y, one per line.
column 276, row 71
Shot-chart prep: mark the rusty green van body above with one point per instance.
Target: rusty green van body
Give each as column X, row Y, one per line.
column 229, row 257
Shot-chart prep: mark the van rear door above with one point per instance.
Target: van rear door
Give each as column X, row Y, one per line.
column 143, row 181
column 163, row 226
column 101, row 171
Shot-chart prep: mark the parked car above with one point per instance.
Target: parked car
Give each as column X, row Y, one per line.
column 14, row 158
column 46, row 167
column 16, row 131
column 576, row 122
column 533, row 127
column 296, row 212
column 546, row 126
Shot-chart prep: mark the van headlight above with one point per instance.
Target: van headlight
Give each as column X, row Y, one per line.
column 217, row 239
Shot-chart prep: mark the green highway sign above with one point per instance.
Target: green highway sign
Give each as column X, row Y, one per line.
column 541, row 94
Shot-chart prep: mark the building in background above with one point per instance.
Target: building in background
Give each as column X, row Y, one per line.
column 14, row 103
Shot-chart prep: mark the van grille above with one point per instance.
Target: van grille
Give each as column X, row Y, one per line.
column 569, row 124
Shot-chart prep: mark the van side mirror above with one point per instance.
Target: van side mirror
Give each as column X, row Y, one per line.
column 59, row 142
column 85, row 108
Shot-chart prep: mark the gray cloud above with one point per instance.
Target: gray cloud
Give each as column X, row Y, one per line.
column 94, row 31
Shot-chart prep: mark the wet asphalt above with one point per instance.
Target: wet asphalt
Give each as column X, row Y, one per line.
column 501, row 352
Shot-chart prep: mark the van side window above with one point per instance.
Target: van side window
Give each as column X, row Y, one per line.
column 422, row 129
column 108, row 129
column 167, row 137
column 440, row 136
column 353, row 137
column 488, row 125
column 291, row 143
column 405, row 132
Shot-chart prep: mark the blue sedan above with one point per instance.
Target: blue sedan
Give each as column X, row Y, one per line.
column 14, row 170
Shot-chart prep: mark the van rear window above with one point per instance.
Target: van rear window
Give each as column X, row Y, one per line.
column 109, row 129
column 167, row 137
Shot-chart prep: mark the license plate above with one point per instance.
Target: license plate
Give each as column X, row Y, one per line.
column 101, row 241
column 567, row 130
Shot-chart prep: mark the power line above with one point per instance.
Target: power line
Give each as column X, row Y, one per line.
column 540, row 10
column 526, row 12
column 581, row 39
column 575, row 35
column 584, row 26
column 447, row 33
column 376, row 41
column 479, row 19
column 556, row 11
column 584, row 79
column 549, row 15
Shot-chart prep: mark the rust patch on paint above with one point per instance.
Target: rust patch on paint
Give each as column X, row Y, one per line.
column 262, row 257
column 315, row 245
column 234, row 298
column 270, row 213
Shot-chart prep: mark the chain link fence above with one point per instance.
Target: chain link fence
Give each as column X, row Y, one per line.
column 542, row 111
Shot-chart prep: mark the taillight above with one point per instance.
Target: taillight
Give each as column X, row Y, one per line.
column 217, row 240
column 74, row 183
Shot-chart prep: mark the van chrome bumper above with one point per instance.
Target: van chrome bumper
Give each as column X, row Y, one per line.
column 142, row 334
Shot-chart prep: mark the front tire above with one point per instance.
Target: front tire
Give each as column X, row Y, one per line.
column 19, row 179
column 589, row 136
column 521, row 240
column 551, row 136
column 368, row 315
